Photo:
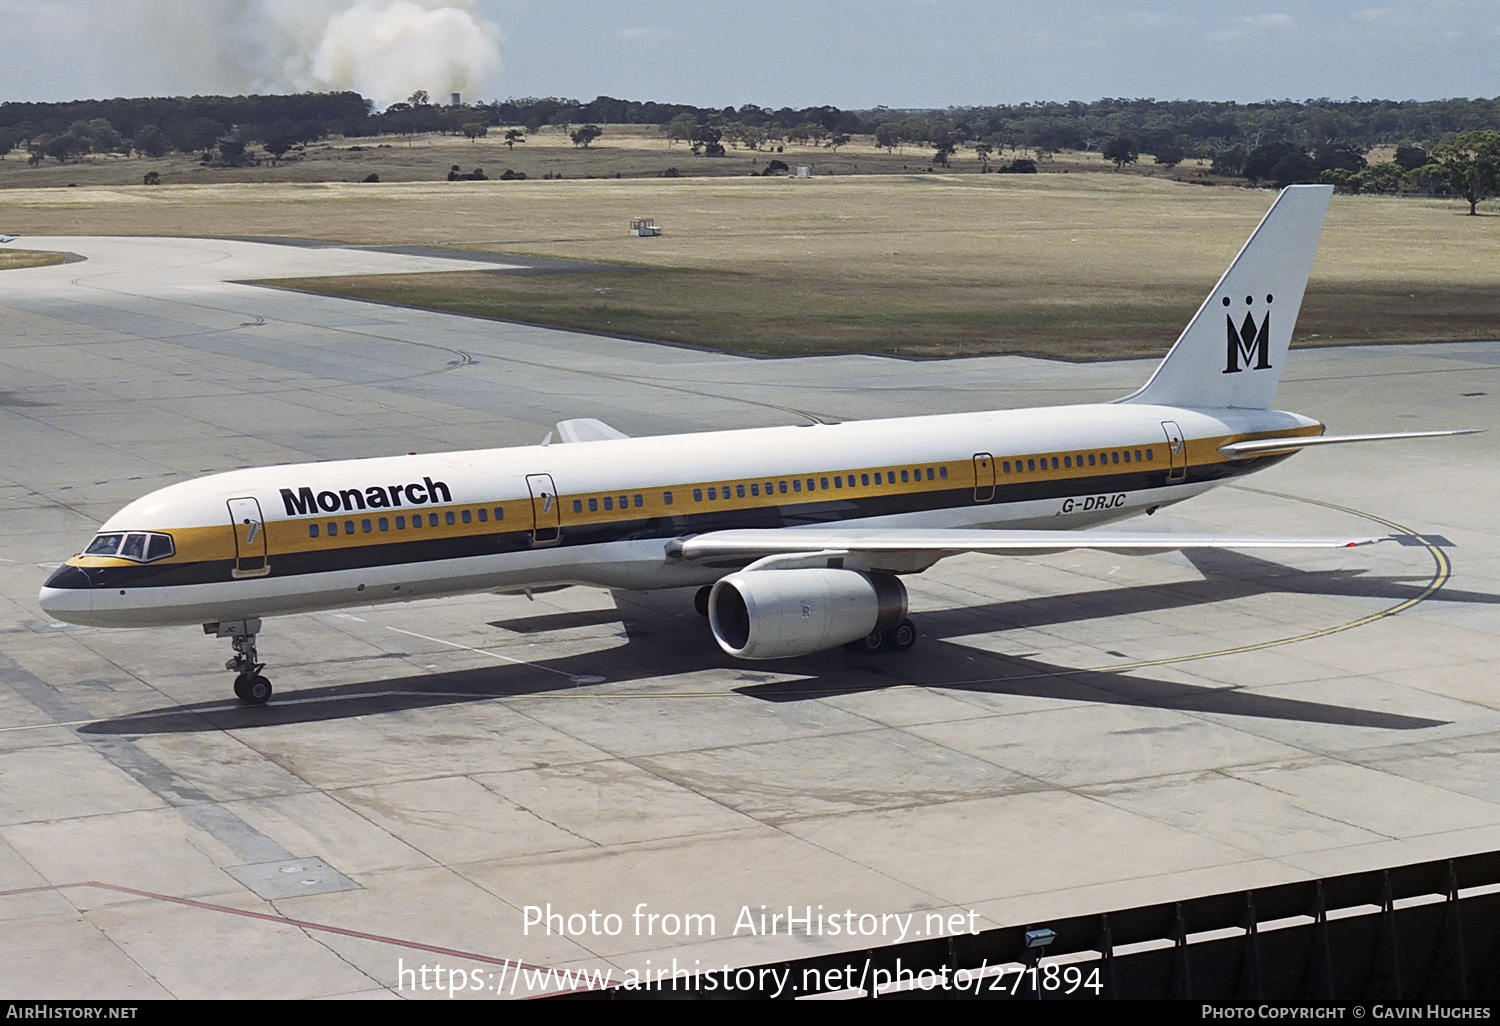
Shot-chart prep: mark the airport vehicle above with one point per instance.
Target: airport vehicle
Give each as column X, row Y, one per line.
column 644, row 227
column 7, row 238
column 796, row 536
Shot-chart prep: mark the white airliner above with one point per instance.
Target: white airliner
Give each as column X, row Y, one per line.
column 795, row 536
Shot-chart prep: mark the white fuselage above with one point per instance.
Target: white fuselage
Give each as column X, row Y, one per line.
column 274, row 540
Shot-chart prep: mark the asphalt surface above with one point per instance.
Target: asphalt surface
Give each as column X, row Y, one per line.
column 1072, row 733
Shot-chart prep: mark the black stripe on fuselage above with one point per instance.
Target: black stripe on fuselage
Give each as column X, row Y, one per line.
column 403, row 550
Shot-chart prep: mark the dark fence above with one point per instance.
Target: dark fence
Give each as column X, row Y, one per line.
column 1425, row 931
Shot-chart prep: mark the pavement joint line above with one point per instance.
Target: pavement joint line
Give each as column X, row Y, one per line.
column 575, row 678
column 194, row 805
column 301, row 924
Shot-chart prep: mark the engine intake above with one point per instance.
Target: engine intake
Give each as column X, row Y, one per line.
column 777, row 614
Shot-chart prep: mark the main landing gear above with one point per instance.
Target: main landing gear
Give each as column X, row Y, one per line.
column 899, row 638
column 249, row 686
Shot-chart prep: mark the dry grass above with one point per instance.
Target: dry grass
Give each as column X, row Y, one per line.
column 1077, row 265
column 11, row 259
column 625, row 151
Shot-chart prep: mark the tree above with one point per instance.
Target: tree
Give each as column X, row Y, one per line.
column 982, row 151
column 8, row 139
column 1121, row 149
column 1469, row 167
column 681, row 129
column 836, row 140
column 419, row 99
column 887, row 137
column 151, row 178
column 586, row 134
column 1410, row 157
column 277, row 147
column 475, row 130
column 1169, row 156
column 150, row 141
column 513, row 136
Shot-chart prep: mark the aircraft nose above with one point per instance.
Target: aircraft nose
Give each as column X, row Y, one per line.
column 67, row 594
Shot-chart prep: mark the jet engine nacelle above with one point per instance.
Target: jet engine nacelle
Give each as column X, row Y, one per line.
column 775, row 614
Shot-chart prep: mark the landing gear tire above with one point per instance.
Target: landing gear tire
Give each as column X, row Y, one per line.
column 871, row 643
column 252, row 689
column 902, row 637
column 700, row 600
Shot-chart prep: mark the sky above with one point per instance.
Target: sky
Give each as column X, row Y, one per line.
column 853, row 54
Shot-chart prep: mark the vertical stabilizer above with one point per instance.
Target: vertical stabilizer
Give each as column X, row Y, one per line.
column 1232, row 350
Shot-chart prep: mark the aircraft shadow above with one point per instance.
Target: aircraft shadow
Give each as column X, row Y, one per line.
column 681, row 650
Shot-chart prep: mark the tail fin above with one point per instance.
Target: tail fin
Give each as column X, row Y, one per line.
column 1232, row 350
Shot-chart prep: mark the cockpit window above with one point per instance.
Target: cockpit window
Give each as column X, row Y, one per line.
column 139, row 546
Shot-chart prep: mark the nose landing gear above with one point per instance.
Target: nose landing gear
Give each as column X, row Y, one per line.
column 249, row 686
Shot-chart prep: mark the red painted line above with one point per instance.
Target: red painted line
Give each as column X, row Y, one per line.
column 282, row 920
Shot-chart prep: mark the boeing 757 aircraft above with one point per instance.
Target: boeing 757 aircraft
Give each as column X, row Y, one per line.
column 797, row 537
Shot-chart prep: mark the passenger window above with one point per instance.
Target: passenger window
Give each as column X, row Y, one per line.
column 666, row 497
column 385, row 524
column 312, row 530
column 466, row 516
column 864, row 479
column 333, row 529
column 929, row 474
column 824, row 485
column 877, row 477
column 1068, row 462
column 1031, row 464
column 609, row 502
column 739, row 490
column 1138, row 455
column 755, row 489
column 697, row 494
column 593, row 505
column 104, row 545
column 499, row 512
column 796, row 484
column 624, row 502
column 1091, row 459
column 639, row 502
column 484, row 514
column 770, row 487
column 1149, row 455
column 713, row 494
column 416, row 521
column 943, row 473
column 1054, row 463
column 349, row 525
column 812, row 485
column 1005, row 466
column 782, row 488
column 400, row 523
column 838, row 481
column 367, row 527
column 432, row 519
column 1114, row 457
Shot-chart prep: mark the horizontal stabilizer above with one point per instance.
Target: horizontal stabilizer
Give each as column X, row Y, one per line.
column 760, row 543
column 1266, row 446
column 587, row 429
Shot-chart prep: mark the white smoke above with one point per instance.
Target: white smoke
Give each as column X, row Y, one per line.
column 384, row 49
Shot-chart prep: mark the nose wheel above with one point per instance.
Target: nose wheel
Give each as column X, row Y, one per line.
column 249, row 686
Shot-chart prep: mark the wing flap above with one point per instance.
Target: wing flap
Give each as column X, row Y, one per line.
column 587, row 429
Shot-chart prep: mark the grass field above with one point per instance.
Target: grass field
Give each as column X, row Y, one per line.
column 1077, row 266
column 11, row 259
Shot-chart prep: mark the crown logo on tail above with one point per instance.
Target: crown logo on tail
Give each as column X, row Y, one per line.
column 1249, row 345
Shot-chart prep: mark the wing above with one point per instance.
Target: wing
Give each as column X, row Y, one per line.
column 1263, row 446
column 921, row 548
column 586, row 429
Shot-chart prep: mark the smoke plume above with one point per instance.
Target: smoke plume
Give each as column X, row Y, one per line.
column 383, row 49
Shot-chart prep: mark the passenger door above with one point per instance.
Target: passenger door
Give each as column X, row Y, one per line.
column 250, row 552
column 984, row 477
column 1176, row 450
column 546, row 513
